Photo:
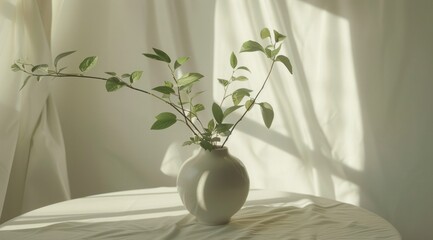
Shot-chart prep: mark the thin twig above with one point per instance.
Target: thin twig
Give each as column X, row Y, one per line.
column 251, row 105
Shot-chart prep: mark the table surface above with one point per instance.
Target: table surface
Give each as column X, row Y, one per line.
column 159, row 214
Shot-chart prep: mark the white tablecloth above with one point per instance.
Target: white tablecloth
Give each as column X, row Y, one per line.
column 158, row 214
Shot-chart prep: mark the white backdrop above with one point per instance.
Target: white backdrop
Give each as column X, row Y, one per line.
column 353, row 123
column 32, row 153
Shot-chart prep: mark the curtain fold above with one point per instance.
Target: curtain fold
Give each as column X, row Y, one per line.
column 348, row 123
column 33, row 163
column 305, row 114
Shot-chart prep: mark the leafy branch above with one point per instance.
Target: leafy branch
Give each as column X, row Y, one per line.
column 179, row 93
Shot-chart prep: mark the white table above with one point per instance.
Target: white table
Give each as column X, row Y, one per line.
column 158, row 214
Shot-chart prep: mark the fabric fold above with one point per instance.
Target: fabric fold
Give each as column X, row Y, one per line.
column 33, row 159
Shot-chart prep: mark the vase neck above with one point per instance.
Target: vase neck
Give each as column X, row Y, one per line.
column 217, row 151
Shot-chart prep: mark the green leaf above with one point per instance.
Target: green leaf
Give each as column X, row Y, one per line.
column 223, row 82
column 239, row 94
column 197, row 108
column 168, row 84
column 211, row 125
column 241, row 78
column 153, row 56
column 268, row 52
column 285, row 60
column 38, row 78
column 244, row 68
column 186, row 88
column 249, row 104
column 113, row 84
column 275, row 51
column 88, row 63
column 164, row 57
column 265, row 33
column 15, row 67
column 164, row 120
column 164, row 89
column 180, row 61
column 187, row 143
column 41, row 67
column 25, row 82
column 111, row 73
column 165, row 115
column 206, row 145
column 267, row 113
column 231, row 109
column 251, row 46
column 207, row 135
column 60, row 56
column 223, row 127
column 233, row 60
column 217, row 113
column 188, row 79
column 135, row 76
column 126, row 75
column 278, row 36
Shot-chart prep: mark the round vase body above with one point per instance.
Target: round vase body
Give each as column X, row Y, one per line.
column 213, row 186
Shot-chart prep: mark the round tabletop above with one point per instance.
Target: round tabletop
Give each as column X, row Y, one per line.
column 159, row 214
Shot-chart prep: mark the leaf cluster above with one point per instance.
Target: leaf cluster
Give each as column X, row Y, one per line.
column 179, row 93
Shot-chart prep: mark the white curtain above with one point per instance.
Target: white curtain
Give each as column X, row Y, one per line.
column 353, row 123
column 32, row 155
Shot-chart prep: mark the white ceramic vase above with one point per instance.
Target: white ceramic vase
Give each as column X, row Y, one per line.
column 213, row 186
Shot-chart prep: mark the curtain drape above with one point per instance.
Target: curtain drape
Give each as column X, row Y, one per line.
column 353, row 123
column 32, row 161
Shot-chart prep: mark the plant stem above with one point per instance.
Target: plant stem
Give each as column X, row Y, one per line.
column 62, row 75
column 182, row 108
column 254, row 101
column 226, row 88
